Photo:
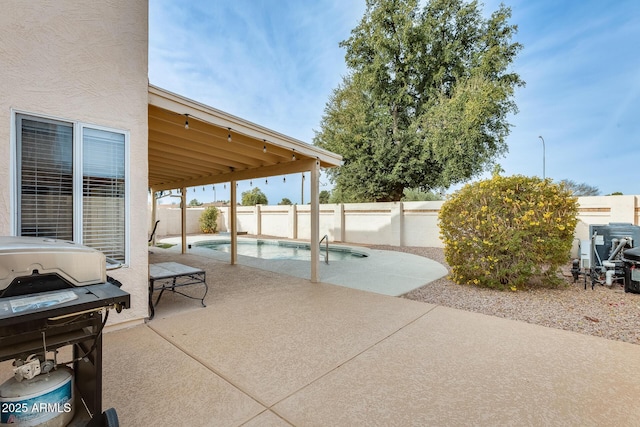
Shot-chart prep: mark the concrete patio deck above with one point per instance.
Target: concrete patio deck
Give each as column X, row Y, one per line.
column 276, row 350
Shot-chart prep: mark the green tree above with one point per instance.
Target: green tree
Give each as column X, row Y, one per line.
column 418, row 195
column 580, row 190
column 285, row 201
column 195, row 202
column 254, row 197
column 324, row 196
column 426, row 101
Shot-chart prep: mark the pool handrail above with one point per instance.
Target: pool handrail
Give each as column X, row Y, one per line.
column 326, row 253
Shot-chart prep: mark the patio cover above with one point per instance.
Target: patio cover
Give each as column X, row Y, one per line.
column 181, row 157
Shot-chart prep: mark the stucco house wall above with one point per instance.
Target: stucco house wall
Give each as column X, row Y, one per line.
column 81, row 60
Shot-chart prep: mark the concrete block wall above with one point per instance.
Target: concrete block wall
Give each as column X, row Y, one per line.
column 393, row 223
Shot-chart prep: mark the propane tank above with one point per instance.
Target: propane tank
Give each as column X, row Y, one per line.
column 44, row 400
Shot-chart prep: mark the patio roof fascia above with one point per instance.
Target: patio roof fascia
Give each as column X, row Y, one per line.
column 304, row 152
column 260, row 172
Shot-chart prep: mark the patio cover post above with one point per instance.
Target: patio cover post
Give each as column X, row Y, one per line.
column 154, row 214
column 315, row 221
column 183, row 210
column 233, row 227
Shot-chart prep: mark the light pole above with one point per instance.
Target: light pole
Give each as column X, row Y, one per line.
column 543, row 155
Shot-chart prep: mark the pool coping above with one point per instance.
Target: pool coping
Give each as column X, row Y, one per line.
column 383, row 272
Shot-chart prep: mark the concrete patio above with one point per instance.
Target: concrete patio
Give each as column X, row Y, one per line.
column 275, row 350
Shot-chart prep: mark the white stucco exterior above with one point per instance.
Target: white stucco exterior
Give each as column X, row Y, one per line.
column 84, row 61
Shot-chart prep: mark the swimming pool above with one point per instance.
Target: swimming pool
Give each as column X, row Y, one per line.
column 276, row 249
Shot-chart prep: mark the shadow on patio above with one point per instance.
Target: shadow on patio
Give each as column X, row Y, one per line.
column 276, row 350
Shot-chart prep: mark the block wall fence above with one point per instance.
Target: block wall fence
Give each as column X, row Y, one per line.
column 392, row 223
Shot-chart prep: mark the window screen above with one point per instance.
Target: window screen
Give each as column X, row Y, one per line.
column 103, row 192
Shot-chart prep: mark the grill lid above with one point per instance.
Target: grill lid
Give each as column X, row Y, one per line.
column 27, row 256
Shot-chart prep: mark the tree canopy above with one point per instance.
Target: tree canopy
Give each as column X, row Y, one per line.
column 426, row 100
column 254, row 197
column 580, row 190
column 324, row 196
column 417, row 195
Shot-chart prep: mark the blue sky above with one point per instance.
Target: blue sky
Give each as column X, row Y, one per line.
column 275, row 63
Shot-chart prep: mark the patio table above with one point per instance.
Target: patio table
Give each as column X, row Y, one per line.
column 171, row 275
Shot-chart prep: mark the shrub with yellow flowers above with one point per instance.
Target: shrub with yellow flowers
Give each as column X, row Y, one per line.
column 508, row 232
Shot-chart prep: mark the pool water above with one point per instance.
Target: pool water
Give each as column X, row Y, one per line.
column 271, row 249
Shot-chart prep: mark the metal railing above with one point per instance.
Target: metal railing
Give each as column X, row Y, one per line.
column 326, row 253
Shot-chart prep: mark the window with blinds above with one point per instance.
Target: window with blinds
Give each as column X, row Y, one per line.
column 103, row 191
column 46, row 176
column 45, row 169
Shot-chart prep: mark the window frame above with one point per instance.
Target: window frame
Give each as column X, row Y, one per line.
column 78, row 136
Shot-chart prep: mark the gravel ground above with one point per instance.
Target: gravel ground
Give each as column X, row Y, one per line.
column 603, row 312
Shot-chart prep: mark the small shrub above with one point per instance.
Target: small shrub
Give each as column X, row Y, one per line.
column 208, row 220
column 508, row 232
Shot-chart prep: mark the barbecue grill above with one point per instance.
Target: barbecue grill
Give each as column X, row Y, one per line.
column 53, row 294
